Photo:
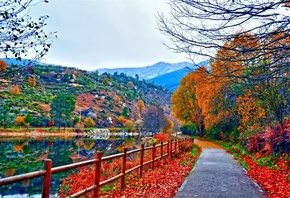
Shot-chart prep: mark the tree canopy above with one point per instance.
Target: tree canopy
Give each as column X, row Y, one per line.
column 61, row 108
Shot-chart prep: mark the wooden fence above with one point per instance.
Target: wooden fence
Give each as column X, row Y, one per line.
column 171, row 147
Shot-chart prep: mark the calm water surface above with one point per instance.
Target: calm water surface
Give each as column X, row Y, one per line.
column 23, row 155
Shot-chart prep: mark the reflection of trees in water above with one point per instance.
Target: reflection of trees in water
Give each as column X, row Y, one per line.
column 28, row 157
column 29, row 154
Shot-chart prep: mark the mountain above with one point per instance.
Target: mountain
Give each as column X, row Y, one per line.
column 170, row 80
column 149, row 72
column 163, row 74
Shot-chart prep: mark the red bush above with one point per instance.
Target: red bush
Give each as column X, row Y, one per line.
column 275, row 138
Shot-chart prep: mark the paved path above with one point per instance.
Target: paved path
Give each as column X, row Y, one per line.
column 217, row 174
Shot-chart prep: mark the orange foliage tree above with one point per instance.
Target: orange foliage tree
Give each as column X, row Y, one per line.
column 3, row 65
column 184, row 102
column 14, row 89
column 32, row 81
column 19, row 120
column 122, row 119
column 217, row 97
column 141, row 106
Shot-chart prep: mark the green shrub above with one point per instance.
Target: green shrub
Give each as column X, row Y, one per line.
column 188, row 129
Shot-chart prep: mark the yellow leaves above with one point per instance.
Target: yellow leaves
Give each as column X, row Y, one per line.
column 89, row 144
column 141, row 106
column 129, row 125
column 183, row 99
column 250, row 112
column 89, row 122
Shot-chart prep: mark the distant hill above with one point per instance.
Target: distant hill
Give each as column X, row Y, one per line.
column 149, row 72
column 170, row 80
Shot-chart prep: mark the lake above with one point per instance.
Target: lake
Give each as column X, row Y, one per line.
column 23, row 155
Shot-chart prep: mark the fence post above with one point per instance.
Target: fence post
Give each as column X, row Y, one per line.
column 153, row 155
column 175, row 145
column 47, row 177
column 98, row 173
column 168, row 142
column 161, row 150
column 170, row 148
column 124, row 168
column 141, row 160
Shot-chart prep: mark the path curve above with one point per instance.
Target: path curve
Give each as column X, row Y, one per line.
column 218, row 174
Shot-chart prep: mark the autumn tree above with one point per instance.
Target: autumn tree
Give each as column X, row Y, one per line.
column 32, row 81
column 122, row 119
column 141, row 106
column 168, row 126
column 14, row 89
column 185, row 105
column 3, row 66
column 89, row 122
column 61, row 108
column 129, row 125
column 153, row 118
column 19, row 120
column 20, row 33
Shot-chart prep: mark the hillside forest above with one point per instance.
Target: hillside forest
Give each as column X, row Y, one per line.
column 42, row 96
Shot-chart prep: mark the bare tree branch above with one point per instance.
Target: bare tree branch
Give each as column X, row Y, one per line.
column 200, row 28
column 19, row 34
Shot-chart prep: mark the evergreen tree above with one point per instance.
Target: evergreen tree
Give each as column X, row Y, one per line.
column 61, row 108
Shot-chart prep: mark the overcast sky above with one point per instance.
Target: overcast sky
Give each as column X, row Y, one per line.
column 106, row 33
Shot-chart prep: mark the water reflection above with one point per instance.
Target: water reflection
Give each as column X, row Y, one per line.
column 23, row 155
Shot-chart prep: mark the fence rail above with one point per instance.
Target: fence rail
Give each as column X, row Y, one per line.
column 47, row 171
